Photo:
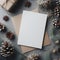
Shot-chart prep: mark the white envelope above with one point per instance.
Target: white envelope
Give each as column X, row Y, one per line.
column 32, row 29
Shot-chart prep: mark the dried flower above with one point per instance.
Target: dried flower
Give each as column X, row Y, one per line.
column 6, row 18
column 10, row 35
column 27, row 4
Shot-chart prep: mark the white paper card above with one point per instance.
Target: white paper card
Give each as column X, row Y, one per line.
column 32, row 29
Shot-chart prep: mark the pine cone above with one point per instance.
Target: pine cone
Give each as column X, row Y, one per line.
column 56, row 24
column 6, row 49
column 57, row 11
column 50, row 4
column 34, row 57
column 2, row 28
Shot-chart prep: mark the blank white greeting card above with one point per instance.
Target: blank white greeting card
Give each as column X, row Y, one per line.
column 32, row 29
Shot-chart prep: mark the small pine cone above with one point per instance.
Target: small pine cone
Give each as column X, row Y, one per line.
column 34, row 57
column 6, row 49
column 57, row 11
column 2, row 28
column 50, row 4
column 57, row 3
column 56, row 23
